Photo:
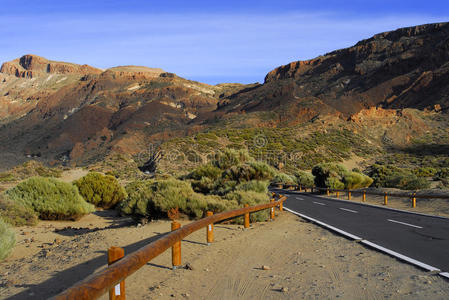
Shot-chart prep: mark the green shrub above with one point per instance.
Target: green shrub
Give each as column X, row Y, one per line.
column 262, row 171
column 251, row 198
column 282, row 178
column 334, row 183
column 205, row 171
column 16, row 214
column 50, row 198
column 354, row 180
column 7, row 240
column 101, row 190
column 253, row 185
column 425, row 172
column 304, row 178
column 442, row 173
column 230, row 157
column 323, row 173
column 407, row 182
column 382, row 174
column 153, row 199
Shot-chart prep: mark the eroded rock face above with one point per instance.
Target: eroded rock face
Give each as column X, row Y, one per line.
column 408, row 67
column 31, row 66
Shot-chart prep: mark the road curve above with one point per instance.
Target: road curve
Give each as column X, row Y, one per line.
column 422, row 238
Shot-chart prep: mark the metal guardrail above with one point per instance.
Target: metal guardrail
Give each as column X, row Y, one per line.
column 99, row 283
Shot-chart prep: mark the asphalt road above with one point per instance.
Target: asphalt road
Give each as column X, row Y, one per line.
column 422, row 238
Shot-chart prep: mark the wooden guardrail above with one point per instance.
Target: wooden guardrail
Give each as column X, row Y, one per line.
column 411, row 195
column 99, row 283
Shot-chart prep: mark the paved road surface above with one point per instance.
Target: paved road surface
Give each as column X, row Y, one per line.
column 422, row 238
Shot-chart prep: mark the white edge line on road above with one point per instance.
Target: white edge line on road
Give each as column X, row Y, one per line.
column 319, row 203
column 400, row 256
column 373, row 245
column 406, row 224
column 350, row 210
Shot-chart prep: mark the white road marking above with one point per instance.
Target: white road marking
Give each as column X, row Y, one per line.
column 376, row 246
column 350, row 210
column 407, row 224
column 297, row 198
column 319, row 203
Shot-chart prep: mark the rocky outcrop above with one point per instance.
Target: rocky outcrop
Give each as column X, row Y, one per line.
column 31, row 66
column 408, row 67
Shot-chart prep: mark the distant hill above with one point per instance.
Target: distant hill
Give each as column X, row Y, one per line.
column 64, row 112
column 405, row 68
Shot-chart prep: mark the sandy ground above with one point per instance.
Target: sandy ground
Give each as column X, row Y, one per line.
column 306, row 261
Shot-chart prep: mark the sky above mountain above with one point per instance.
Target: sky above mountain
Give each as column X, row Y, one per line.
column 212, row 42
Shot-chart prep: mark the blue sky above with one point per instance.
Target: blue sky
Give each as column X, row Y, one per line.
column 212, row 42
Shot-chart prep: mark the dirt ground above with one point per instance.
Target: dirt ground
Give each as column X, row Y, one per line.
column 305, row 261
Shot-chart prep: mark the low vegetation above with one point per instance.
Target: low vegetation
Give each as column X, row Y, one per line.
column 336, row 176
column 101, row 190
column 50, row 198
column 7, row 239
column 16, row 214
column 394, row 177
column 29, row 169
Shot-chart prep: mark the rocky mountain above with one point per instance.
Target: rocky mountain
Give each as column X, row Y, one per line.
column 64, row 112
column 81, row 114
column 408, row 67
column 31, row 66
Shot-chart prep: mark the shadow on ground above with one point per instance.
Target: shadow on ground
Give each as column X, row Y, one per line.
column 65, row 279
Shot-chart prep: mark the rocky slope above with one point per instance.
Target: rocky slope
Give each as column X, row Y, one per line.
column 67, row 112
column 405, row 68
column 31, row 66
column 81, row 113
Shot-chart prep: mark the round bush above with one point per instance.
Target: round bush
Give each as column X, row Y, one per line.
column 7, row 240
column 50, row 198
column 304, row 178
column 282, row 178
column 101, row 190
column 16, row 214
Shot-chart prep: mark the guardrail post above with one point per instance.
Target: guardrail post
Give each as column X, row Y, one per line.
column 300, row 189
column 327, row 192
column 118, row 291
column 337, row 194
column 176, row 248
column 349, row 195
column 246, row 224
column 281, row 206
column 364, row 196
column 272, row 211
column 414, row 200
column 385, row 199
column 210, row 230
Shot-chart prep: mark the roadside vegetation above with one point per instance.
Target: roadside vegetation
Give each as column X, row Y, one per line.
column 7, row 240
column 50, row 198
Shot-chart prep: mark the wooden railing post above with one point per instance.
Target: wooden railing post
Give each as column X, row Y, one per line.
column 210, row 230
column 337, row 194
column 364, row 196
column 246, row 225
column 300, row 189
column 414, row 200
column 118, row 291
column 385, row 199
column 327, row 192
column 349, row 195
column 281, row 206
column 272, row 211
column 176, row 248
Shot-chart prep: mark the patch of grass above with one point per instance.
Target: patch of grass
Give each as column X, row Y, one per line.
column 7, row 240
column 101, row 190
column 50, row 198
column 16, row 214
